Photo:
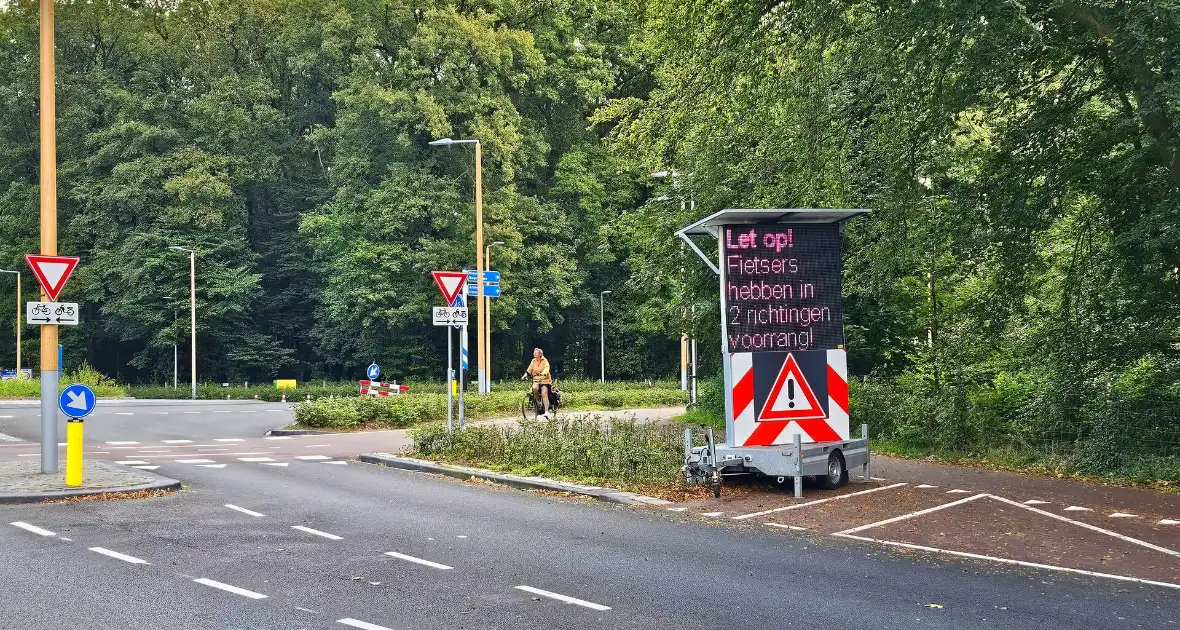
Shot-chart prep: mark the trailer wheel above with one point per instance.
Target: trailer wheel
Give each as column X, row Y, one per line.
column 837, row 472
column 716, row 485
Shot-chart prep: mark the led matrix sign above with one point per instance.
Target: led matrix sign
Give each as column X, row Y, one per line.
column 782, row 287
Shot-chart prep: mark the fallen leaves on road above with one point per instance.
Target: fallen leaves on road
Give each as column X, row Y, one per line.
column 934, row 605
column 112, row 496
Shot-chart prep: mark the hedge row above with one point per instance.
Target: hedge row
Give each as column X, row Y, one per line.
column 410, row 409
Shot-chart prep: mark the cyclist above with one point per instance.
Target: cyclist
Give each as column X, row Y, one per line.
column 542, row 379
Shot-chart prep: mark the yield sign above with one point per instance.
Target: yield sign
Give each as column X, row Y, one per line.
column 791, row 398
column 450, row 283
column 52, row 272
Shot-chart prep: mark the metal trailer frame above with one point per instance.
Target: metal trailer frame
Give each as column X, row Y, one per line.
column 706, row 464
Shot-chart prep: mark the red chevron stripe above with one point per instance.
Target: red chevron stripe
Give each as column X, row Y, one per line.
column 743, row 393
column 838, row 389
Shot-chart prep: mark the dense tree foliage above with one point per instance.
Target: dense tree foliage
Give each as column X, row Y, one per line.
column 1022, row 161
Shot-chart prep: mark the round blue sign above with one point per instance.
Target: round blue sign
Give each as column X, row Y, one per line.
column 76, row 401
column 373, row 372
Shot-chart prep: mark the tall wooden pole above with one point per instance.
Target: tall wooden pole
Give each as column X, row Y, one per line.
column 482, row 365
column 48, row 237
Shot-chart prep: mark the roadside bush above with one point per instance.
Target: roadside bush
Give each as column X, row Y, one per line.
column 333, row 414
column 31, row 387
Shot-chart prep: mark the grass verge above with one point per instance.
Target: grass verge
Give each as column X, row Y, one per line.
column 624, row 454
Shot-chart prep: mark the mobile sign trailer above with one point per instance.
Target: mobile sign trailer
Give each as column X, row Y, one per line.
column 782, row 339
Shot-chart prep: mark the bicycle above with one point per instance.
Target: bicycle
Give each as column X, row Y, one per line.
column 533, row 404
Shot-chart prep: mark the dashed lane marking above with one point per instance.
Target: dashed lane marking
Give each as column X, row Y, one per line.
column 363, row 625
column 1075, row 508
column 1035, row 502
column 177, row 441
column 316, row 532
column 283, row 464
column 128, row 462
column 679, row 509
column 132, row 443
column 312, row 457
column 562, row 598
column 124, row 413
column 243, row 510
column 1122, row 515
column 194, row 461
column 211, row 465
column 794, row 528
column 817, row 501
column 146, row 467
column 427, row 563
column 230, row 588
column 925, row 486
column 278, row 437
column 1168, row 521
column 338, row 463
column 119, row 556
column 958, row 491
column 712, row 514
column 255, row 459
column 33, row 528
column 228, row 440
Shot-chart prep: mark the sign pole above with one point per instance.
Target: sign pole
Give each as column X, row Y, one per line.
column 19, row 373
column 450, row 381
column 463, row 367
column 192, row 289
column 48, row 235
column 74, row 452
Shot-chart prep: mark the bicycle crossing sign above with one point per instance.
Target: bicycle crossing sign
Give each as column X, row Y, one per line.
column 51, row 313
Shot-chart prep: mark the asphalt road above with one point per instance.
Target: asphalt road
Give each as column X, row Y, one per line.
column 471, row 556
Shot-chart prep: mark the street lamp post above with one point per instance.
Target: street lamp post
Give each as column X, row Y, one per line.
column 602, row 335
column 487, row 305
column 686, row 340
column 175, row 354
column 19, row 374
column 479, row 268
column 192, row 290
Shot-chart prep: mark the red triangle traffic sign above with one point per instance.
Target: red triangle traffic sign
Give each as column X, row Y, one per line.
column 451, row 283
column 791, row 397
column 52, row 272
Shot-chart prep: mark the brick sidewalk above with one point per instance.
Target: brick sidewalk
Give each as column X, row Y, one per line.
column 17, row 477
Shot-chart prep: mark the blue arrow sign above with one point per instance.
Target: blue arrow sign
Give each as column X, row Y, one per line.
column 373, row 372
column 76, row 401
column 492, row 277
column 489, row 290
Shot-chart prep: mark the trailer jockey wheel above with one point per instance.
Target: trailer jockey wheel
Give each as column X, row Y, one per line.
column 716, row 484
column 837, row 473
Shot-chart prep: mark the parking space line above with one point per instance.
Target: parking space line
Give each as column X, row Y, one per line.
column 316, row 532
column 817, row 501
column 1168, row 521
column 1095, row 528
column 910, row 515
column 230, row 588
column 402, row 556
column 363, row 625
column 1022, row 563
column 1075, row 508
column 118, row 556
column 794, row 528
column 711, row 514
column 562, row 598
column 33, row 528
column 1122, row 515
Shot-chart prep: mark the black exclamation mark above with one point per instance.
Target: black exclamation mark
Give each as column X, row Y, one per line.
column 791, row 392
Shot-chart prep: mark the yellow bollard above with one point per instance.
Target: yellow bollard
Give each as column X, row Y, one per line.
column 74, row 452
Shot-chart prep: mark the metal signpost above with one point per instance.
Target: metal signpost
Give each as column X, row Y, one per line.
column 52, row 272
column 373, row 372
column 451, row 284
column 782, row 343
column 76, row 402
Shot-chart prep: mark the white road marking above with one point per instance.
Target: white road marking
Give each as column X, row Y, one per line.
column 255, row 459
column 316, row 532
column 402, row 556
column 230, row 588
column 247, row 453
column 317, row 446
column 339, row 463
column 681, row 509
column 252, row 411
column 363, row 625
column 283, row 464
column 925, row 486
column 153, row 452
column 191, row 412
column 1168, row 521
column 793, row 528
column 159, row 413
column 7, row 417
column 878, row 478
column 816, row 502
column 1009, row 561
column 220, row 411
column 312, row 457
column 1035, row 502
column 211, row 465
column 178, row 441
column 32, row 528
column 128, row 462
column 212, row 450
column 1122, row 515
column 146, row 467
column 243, row 510
column 194, row 461
column 910, row 515
column 29, row 455
column 712, row 513
column 1074, row 508
column 98, row 452
column 119, row 556
column 562, row 598
column 228, row 440
column 958, row 491
column 460, row 537
column 278, row 437
column 1094, row 528
column 123, row 443
column 66, row 539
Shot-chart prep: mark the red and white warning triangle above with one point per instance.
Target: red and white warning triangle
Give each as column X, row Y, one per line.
column 451, row 283
column 791, row 397
column 51, row 272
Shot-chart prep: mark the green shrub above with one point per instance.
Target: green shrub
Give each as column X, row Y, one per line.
column 31, row 387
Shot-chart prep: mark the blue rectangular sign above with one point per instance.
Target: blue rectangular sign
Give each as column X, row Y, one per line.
column 489, row 277
column 489, row 290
